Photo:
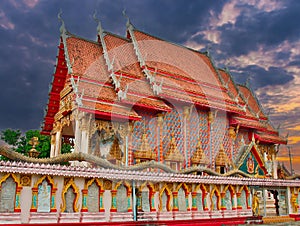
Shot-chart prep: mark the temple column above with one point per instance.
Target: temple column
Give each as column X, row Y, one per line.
column 205, row 205
column 53, row 200
column 57, row 143
column 175, row 200
column 113, row 201
column 129, row 201
column 84, row 126
column 194, row 201
column 52, row 149
column 127, row 131
column 238, row 200
column 139, row 201
column 152, row 201
column 77, row 144
column 34, row 200
column 187, row 201
column 17, row 201
column 159, row 136
column 233, row 201
column 101, row 206
column 84, row 207
column 248, row 200
column 130, row 128
column 210, row 121
column 223, row 204
column 84, row 141
column 185, row 136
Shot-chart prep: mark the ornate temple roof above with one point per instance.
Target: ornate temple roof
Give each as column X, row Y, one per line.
column 114, row 76
column 254, row 117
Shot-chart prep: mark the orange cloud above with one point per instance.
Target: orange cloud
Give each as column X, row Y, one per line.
column 295, row 128
column 294, row 139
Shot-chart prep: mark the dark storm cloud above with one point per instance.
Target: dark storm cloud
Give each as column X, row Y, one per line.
column 172, row 20
column 261, row 77
column 254, row 28
column 28, row 49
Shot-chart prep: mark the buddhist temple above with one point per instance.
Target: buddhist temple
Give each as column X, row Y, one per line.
column 160, row 134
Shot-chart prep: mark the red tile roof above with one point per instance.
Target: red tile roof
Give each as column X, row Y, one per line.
column 187, row 76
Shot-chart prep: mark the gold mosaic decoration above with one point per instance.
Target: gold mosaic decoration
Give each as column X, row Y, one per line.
column 25, row 180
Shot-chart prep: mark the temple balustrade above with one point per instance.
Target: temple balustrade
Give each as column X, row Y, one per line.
column 54, row 198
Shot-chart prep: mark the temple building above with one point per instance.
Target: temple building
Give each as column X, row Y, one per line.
column 159, row 133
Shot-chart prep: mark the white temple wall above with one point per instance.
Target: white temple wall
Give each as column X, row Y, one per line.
column 25, row 202
column 107, row 203
column 60, row 185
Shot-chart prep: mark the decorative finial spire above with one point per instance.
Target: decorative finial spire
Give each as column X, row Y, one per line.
column 99, row 27
column 247, row 83
column 227, row 64
column 208, row 49
column 128, row 23
column 62, row 28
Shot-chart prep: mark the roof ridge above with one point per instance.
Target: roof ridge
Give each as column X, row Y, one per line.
column 116, row 35
column 82, row 38
column 170, row 42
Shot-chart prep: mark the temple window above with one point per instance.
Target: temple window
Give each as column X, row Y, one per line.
column 228, row 200
column 222, row 161
column 93, row 198
column 7, row 195
column 243, row 199
column 181, row 200
column 199, row 200
column 214, row 202
column 145, row 202
column 122, row 200
column 44, row 197
column 70, row 196
column 173, row 157
column 164, row 201
column 145, row 152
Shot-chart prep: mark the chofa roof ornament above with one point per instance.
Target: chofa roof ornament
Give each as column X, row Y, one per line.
column 122, row 94
column 156, row 86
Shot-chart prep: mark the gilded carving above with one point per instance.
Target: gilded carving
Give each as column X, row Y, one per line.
column 107, row 184
column 255, row 205
column 66, row 180
column 57, row 127
column 199, row 156
column 70, row 184
column 156, row 187
column 170, row 186
column 160, row 120
column 25, row 180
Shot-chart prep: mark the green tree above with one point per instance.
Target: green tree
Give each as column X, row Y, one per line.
column 20, row 142
column 11, row 137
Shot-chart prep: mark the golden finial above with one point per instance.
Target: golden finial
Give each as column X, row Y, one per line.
column 34, row 141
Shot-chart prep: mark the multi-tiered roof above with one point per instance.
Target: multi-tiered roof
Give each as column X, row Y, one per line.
column 115, row 76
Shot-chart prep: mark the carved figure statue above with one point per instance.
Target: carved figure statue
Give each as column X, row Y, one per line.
column 294, row 203
column 255, row 205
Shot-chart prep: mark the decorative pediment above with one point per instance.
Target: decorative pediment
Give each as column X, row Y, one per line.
column 221, row 158
column 173, row 154
column 145, row 151
column 251, row 161
column 115, row 152
column 199, row 156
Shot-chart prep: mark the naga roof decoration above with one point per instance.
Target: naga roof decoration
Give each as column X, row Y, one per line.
column 51, row 166
column 41, row 167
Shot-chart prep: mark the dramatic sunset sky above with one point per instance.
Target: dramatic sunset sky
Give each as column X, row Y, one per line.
column 256, row 39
